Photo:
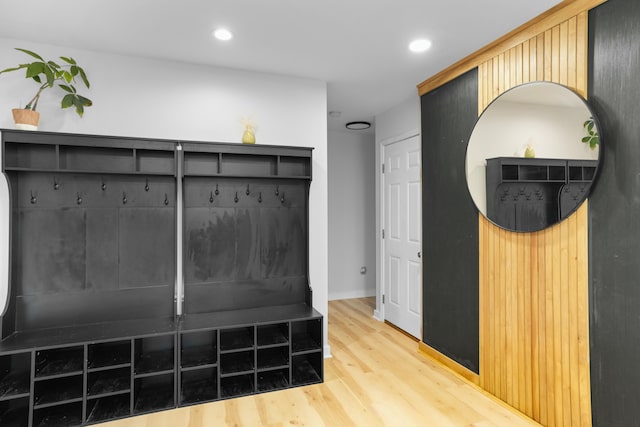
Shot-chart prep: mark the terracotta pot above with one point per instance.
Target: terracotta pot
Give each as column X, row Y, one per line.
column 25, row 119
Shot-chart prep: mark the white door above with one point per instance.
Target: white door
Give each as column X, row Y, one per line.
column 402, row 270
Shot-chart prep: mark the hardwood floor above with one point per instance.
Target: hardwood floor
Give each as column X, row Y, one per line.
column 376, row 377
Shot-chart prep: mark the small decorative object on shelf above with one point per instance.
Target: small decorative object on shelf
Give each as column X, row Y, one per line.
column 248, row 137
column 47, row 74
column 529, row 152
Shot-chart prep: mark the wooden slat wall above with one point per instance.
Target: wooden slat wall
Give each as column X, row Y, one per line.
column 534, row 324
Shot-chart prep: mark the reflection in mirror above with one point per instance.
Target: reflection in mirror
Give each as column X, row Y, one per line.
column 532, row 156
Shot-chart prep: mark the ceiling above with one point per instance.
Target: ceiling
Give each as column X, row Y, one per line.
column 359, row 47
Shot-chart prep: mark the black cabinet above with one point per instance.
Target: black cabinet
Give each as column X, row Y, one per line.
column 526, row 194
column 93, row 330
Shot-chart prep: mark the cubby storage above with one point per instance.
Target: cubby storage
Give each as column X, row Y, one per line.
column 198, row 349
column 198, row 385
column 93, row 334
column 15, row 376
column 154, row 354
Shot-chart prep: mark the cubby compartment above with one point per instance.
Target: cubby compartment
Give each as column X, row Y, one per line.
column 237, row 385
column 198, row 385
column 236, row 338
column 96, row 159
column 109, row 355
column 69, row 415
column 154, row 354
column 306, row 368
column 533, row 173
column 113, row 381
column 154, row 393
column 15, row 374
column 155, row 161
column 557, row 173
column 30, row 156
column 269, row 358
column 108, row 408
column 196, row 163
column 248, row 165
column 198, row 349
column 273, row 380
column 58, row 390
column 306, row 335
column 59, row 362
column 294, row 166
column 238, row 362
column 15, row 412
column 272, row 335
column 510, row 172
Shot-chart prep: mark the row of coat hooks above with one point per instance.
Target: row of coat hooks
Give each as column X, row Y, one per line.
column 216, row 192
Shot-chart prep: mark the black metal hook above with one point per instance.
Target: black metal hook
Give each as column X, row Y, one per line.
column 235, row 199
column 211, row 197
column 248, row 192
column 124, row 198
column 282, row 198
column 56, row 184
column 166, row 199
column 33, row 198
column 103, row 186
column 277, row 190
column 260, row 197
column 79, row 198
column 217, row 191
column 146, row 185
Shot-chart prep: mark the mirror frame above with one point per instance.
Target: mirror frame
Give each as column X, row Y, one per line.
column 587, row 190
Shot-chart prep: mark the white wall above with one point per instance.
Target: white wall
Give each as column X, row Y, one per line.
column 161, row 99
column 398, row 123
column 351, row 215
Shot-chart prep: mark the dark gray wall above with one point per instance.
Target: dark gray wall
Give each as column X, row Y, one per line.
column 614, row 213
column 450, row 222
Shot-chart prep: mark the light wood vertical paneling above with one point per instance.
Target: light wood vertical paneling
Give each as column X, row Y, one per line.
column 534, row 349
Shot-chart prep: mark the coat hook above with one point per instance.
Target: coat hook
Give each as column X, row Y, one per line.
column 211, row 197
column 103, row 186
column 56, row 184
column 124, row 198
column 79, row 198
column 282, row 198
column 217, row 191
column 146, row 185
column 166, row 199
column 277, row 190
column 235, row 199
column 33, row 198
column 248, row 192
column 260, row 197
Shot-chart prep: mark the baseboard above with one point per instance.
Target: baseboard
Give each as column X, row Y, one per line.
column 378, row 316
column 457, row 368
column 361, row 293
column 327, row 352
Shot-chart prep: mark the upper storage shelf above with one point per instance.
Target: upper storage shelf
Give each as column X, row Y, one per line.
column 55, row 152
column 234, row 160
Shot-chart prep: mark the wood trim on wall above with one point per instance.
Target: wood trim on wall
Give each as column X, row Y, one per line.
column 539, row 24
column 534, row 318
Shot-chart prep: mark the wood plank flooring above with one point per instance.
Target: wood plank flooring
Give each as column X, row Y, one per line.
column 376, row 377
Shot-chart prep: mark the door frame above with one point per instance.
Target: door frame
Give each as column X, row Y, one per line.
column 379, row 313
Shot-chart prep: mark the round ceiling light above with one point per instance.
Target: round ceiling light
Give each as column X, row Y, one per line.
column 358, row 125
column 223, row 34
column 419, row 45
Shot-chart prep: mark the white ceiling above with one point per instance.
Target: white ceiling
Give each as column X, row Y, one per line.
column 359, row 47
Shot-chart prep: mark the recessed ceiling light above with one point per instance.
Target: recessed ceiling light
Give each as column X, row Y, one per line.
column 358, row 125
column 419, row 45
column 222, row 34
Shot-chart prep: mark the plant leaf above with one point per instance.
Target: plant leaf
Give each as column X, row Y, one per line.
column 85, row 101
column 68, row 60
column 49, row 72
column 37, row 78
column 66, row 88
column 74, row 70
column 67, row 101
column 83, row 76
column 67, row 76
column 79, row 106
column 53, row 64
column 28, row 52
column 590, row 127
column 15, row 68
column 586, row 139
column 34, row 69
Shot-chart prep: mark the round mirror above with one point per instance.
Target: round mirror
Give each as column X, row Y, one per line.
column 532, row 156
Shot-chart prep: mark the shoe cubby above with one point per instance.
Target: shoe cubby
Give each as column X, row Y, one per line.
column 154, row 355
column 273, row 380
column 198, row 385
column 15, row 376
column 306, row 369
column 108, row 382
column 154, row 393
column 57, row 391
column 237, row 362
column 273, row 335
column 306, row 335
column 273, row 357
column 198, row 349
column 59, row 362
column 109, row 355
column 14, row 412
column 237, row 385
column 236, row 339
column 69, row 415
column 108, row 408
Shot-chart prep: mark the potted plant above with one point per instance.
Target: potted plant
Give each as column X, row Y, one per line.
column 592, row 138
column 48, row 74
